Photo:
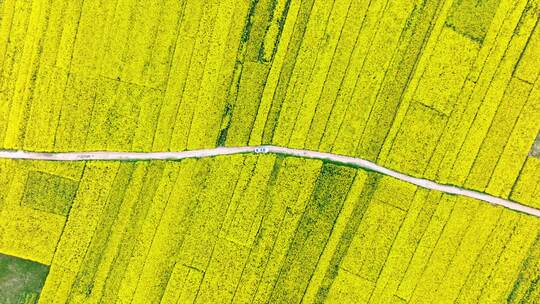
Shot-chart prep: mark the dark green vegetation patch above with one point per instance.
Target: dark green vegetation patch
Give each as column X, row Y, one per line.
column 472, row 18
column 49, row 193
column 20, row 280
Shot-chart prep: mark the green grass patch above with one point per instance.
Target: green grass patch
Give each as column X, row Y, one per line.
column 21, row 280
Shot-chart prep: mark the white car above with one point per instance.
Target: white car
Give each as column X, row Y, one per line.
column 261, row 150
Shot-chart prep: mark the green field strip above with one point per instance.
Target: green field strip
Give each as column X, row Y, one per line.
column 144, row 238
column 379, row 54
column 474, row 239
column 317, row 80
column 525, row 288
column 312, row 233
column 207, row 113
column 526, row 187
column 412, row 229
column 425, row 247
column 125, row 240
column 487, row 259
column 336, row 73
column 293, row 186
column 414, row 156
column 340, row 224
column 514, row 156
column 82, row 286
column 74, row 118
column 508, row 265
column 170, row 232
column 299, row 24
column 473, row 95
column 77, row 235
column 498, row 134
column 351, row 226
column 287, row 26
column 195, row 72
column 369, row 15
column 398, row 75
column 21, row 280
column 303, row 69
column 177, row 76
column 145, row 21
column 13, row 62
column 488, row 107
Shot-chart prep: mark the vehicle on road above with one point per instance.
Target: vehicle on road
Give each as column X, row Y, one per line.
column 261, row 150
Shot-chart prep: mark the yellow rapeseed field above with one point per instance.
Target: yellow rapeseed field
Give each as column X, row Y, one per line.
column 446, row 90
